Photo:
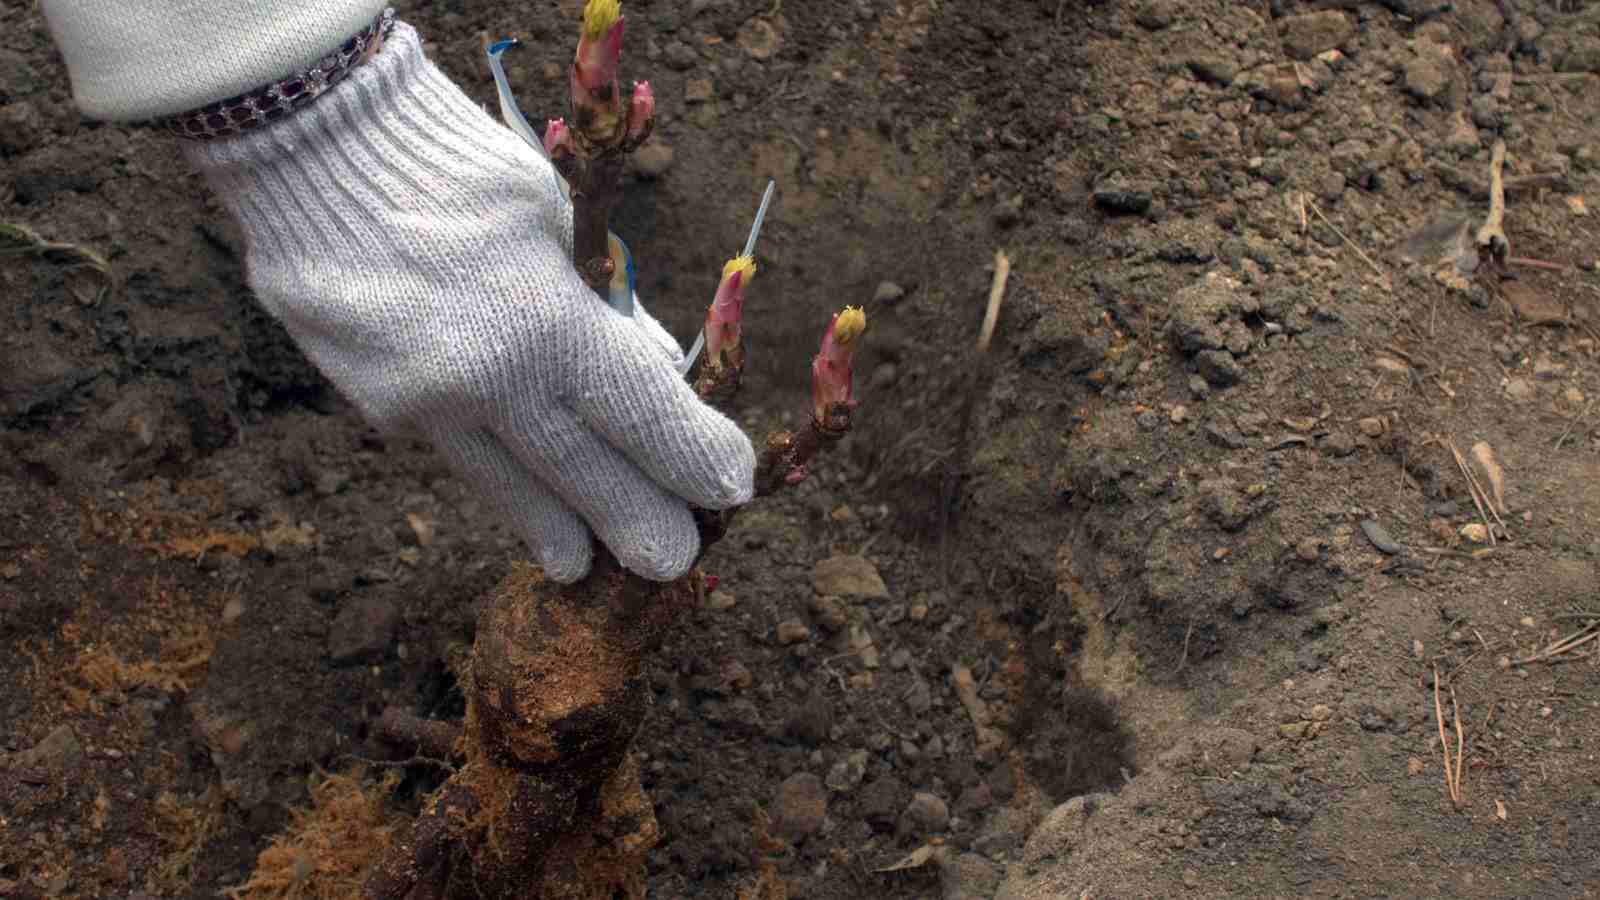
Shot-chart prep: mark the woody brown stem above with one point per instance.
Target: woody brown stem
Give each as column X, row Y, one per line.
column 596, row 187
column 786, row 457
column 716, row 384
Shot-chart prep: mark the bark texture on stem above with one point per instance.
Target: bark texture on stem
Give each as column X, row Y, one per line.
column 596, row 187
column 786, row 457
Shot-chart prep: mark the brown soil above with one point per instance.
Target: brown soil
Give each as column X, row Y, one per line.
column 1223, row 349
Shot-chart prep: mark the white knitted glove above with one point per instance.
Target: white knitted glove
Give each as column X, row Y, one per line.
column 419, row 253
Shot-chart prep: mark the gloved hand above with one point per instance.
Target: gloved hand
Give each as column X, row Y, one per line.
column 419, row 254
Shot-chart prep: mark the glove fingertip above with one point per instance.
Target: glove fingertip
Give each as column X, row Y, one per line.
column 566, row 565
column 663, row 552
column 726, row 456
column 736, row 473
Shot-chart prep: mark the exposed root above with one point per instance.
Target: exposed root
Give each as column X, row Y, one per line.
column 328, row 848
column 426, row 737
column 548, row 803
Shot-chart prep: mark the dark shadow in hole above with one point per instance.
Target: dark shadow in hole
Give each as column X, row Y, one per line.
column 1072, row 739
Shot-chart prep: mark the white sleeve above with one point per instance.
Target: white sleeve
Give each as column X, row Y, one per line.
column 139, row 59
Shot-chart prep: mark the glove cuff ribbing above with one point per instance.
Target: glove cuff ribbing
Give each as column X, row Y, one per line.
column 141, row 59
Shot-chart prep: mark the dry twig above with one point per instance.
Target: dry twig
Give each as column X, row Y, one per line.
column 1532, row 263
column 1189, row 633
column 1452, row 765
column 1570, row 425
column 1461, row 741
column 1492, row 243
column 956, row 465
column 1564, row 646
column 997, row 292
column 1351, row 244
column 1480, row 497
column 966, row 688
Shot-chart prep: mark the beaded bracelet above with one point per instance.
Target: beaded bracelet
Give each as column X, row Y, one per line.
column 236, row 115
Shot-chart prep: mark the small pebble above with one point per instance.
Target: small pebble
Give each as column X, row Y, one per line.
column 697, row 90
column 792, row 631
column 888, row 293
column 828, row 612
column 1379, row 537
column 925, row 813
column 1125, row 202
column 800, row 807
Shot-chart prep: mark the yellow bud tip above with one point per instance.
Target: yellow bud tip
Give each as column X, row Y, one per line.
column 742, row 264
column 849, row 325
column 599, row 16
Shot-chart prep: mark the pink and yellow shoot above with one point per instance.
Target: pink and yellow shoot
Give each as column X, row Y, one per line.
column 599, row 117
column 726, row 315
column 832, row 367
column 596, row 96
column 599, row 45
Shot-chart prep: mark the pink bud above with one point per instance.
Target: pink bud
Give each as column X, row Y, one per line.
column 832, row 367
column 557, row 138
column 711, row 583
column 642, row 110
column 726, row 315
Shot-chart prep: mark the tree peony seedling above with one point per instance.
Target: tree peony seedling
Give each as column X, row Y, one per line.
column 724, row 317
column 831, row 369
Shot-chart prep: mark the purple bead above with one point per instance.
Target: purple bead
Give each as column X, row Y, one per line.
column 195, row 126
column 216, row 121
column 241, row 114
column 293, row 88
